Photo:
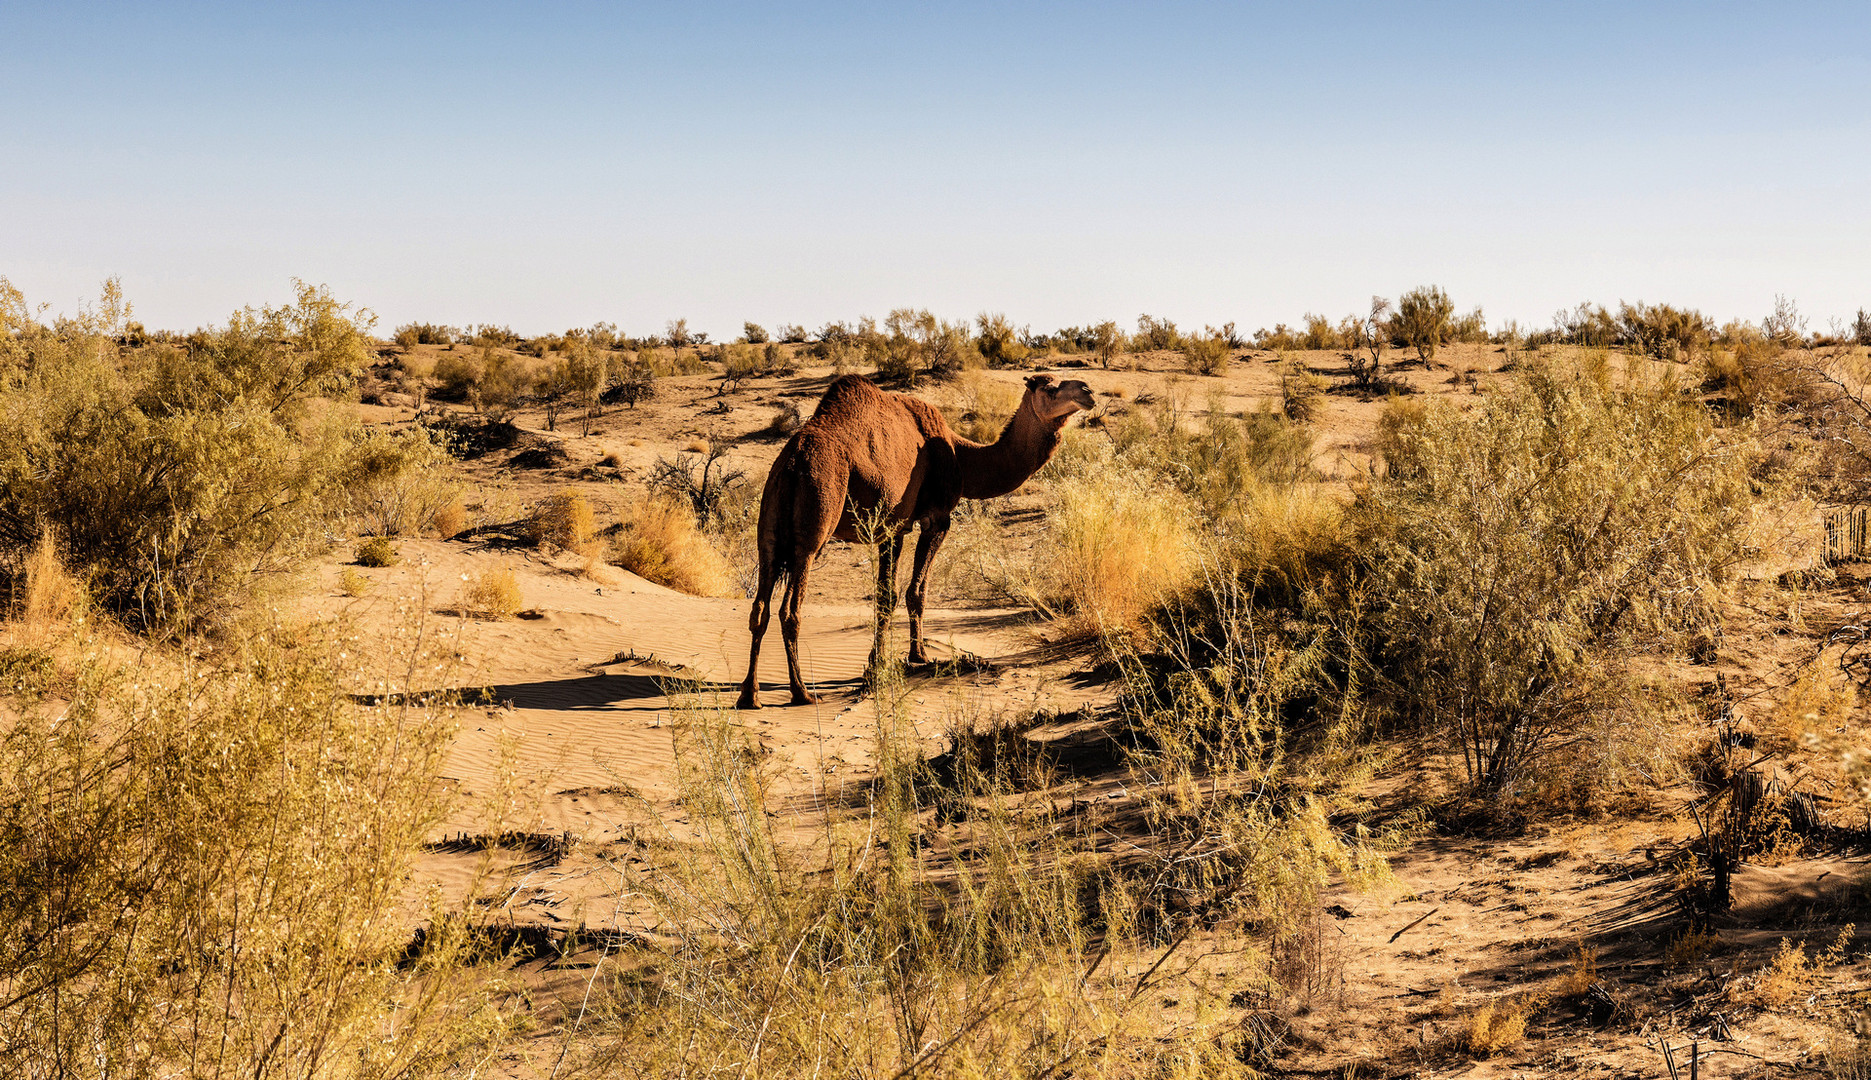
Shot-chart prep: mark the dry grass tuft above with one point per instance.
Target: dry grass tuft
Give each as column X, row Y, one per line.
column 450, row 520
column 659, row 541
column 563, row 519
column 1119, row 546
column 493, row 594
column 49, row 595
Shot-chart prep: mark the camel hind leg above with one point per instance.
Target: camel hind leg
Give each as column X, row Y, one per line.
column 815, row 511
column 757, row 622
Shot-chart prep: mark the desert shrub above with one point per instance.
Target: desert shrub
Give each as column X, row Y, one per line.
column 1469, row 329
column 786, row 419
column 1591, row 325
column 660, row 542
column 1663, row 332
column 271, row 359
column 1302, row 393
column 1525, row 550
column 738, row 364
column 1279, row 339
column 168, row 511
column 204, row 873
column 676, row 332
column 1497, row 1025
column 352, row 583
column 505, row 383
column 44, row 593
column 376, row 551
column 997, row 341
column 1155, row 334
column 1423, row 319
column 393, row 482
column 1205, row 354
column 754, row 334
column 562, row 519
column 633, row 379
column 983, row 406
column 701, row 480
column 1751, row 372
column 1121, row 543
column 458, row 375
column 791, row 334
column 1319, row 333
column 489, row 336
column 410, row 334
column 1785, row 325
column 1108, row 342
column 493, row 594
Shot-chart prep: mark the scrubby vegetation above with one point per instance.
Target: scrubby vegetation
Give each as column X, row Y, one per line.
column 1492, row 608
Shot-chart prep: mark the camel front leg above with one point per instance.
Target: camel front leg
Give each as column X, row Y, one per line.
column 928, row 542
column 888, row 552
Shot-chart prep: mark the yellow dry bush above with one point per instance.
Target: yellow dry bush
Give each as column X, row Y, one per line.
column 1499, row 1024
column 450, row 520
column 353, row 583
column 658, row 541
column 1689, row 947
column 493, row 594
column 563, row 520
column 983, row 405
column 1791, row 973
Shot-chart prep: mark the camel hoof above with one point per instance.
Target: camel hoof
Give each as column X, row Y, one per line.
column 748, row 700
column 802, row 698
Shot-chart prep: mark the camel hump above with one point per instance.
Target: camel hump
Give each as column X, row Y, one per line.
column 855, row 400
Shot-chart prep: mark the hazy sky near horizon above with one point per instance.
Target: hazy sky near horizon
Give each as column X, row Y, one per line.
column 549, row 165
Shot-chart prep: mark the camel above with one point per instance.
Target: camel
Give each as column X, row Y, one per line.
column 869, row 466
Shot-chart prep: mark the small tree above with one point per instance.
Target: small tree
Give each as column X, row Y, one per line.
column 1366, row 338
column 1107, row 341
column 1423, row 320
column 997, row 340
column 754, row 334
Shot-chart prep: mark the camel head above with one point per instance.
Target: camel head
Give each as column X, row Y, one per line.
column 1057, row 401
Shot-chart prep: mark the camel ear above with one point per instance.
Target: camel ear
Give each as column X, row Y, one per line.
column 1034, row 382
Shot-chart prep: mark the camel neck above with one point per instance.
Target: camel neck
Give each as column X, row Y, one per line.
column 1024, row 447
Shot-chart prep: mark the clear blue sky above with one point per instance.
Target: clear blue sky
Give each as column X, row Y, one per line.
column 549, row 165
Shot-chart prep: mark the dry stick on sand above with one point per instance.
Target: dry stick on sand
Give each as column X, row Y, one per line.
column 1413, row 922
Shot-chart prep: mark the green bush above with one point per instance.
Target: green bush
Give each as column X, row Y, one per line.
column 1524, row 551
column 378, row 551
column 1205, row 354
column 1423, row 319
column 204, row 873
column 179, row 477
column 1156, row 334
